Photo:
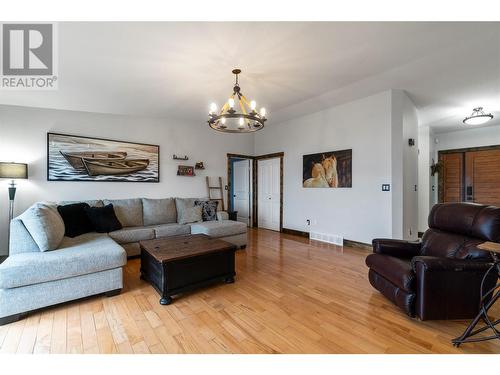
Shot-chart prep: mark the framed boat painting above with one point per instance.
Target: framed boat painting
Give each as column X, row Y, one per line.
column 76, row 158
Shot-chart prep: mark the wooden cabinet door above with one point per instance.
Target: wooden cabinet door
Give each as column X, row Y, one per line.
column 482, row 177
column 451, row 189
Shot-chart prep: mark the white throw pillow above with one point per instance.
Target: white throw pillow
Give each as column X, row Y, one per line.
column 44, row 224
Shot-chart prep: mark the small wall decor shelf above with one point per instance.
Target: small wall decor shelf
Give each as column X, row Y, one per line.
column 175, row 157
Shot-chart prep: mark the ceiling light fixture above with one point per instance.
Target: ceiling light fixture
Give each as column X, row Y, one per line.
column 229, row 120
column 478, row 117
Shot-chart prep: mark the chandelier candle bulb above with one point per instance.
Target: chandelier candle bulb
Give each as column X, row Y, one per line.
column 237, row 115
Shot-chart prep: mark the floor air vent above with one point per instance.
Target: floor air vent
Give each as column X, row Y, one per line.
column 325, row 237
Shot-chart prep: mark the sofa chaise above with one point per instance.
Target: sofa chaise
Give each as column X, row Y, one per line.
column 92, row 263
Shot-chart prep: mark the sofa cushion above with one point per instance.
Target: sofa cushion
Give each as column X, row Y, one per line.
column 208, row 209
column 219, row 228
column 128, row 211
column 159, row 211
column 103, row 219
column 81, row 255
column 76, row 221
column 168, row 230
column 91, row 202
column 132, row 234
column 187, row 212
column 20, row 240
column 396, row 270
column 44, row 224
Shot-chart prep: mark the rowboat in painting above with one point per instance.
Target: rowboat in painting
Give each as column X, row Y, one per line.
column 113, row 167
column 76, row 158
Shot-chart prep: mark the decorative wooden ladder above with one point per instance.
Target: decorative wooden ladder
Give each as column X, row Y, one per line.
column 219, row 189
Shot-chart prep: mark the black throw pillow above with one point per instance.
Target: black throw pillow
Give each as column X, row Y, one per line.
column 76, row 221
column 103, row 219
column 208, row 209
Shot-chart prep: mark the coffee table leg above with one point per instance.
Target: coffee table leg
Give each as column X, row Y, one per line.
column 166, row 300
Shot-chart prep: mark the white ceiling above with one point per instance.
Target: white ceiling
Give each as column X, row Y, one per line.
column 176, row 69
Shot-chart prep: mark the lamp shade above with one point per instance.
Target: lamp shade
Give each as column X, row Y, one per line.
column 13, row 170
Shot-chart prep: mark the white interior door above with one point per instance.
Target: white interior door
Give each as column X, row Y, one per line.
column 241, row 190
column 269, row 193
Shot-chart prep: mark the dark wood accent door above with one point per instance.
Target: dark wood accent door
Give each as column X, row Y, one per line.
column 451, row 189
column 470, row 175
column 482, row 177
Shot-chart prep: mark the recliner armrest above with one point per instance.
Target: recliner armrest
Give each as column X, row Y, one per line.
column 396, row 248
column 428, row 263
column 448, row 288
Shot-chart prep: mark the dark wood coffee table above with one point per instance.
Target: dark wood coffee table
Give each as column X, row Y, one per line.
column 181, row 263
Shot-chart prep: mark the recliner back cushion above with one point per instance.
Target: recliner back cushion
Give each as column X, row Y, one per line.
column 128, row 211
column 455, row 230
column 487, row 224
column 450, row 245
column 454, row 217
column 159, row 211
column 441, row 244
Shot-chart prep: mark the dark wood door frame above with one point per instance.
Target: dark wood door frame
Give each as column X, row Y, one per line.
column 229, row 178
column 255, row 206
column 454, row 151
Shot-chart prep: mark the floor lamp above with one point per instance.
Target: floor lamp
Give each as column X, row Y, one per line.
column 12, row 171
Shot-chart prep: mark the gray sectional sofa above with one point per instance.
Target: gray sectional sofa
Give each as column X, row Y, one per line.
column 90, row 264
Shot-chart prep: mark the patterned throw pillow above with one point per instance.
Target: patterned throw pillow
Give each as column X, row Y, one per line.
column 208, row 209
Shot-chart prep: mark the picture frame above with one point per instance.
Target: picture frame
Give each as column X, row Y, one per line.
column 82, row 158
column 331, row 169
column 185, row 170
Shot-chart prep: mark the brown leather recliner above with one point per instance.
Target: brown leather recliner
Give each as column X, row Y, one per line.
column 439, row 277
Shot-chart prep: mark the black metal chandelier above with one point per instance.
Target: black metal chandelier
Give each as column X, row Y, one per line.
column 229, row 120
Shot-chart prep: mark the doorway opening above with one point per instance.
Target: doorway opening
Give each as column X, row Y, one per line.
column 470, row 175
column 265, row 189
column 240, row 188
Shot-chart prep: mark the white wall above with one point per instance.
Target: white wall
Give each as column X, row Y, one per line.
column 23, row 138
column 404, row 125
column 471, row 137
column 424, row 176
column 360, row 213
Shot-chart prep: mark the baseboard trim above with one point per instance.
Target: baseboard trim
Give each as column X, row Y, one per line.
column 349, row 243
column 295, row 232
column 359, row 245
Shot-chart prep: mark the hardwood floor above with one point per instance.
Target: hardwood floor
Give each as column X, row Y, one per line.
column 290, row 296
